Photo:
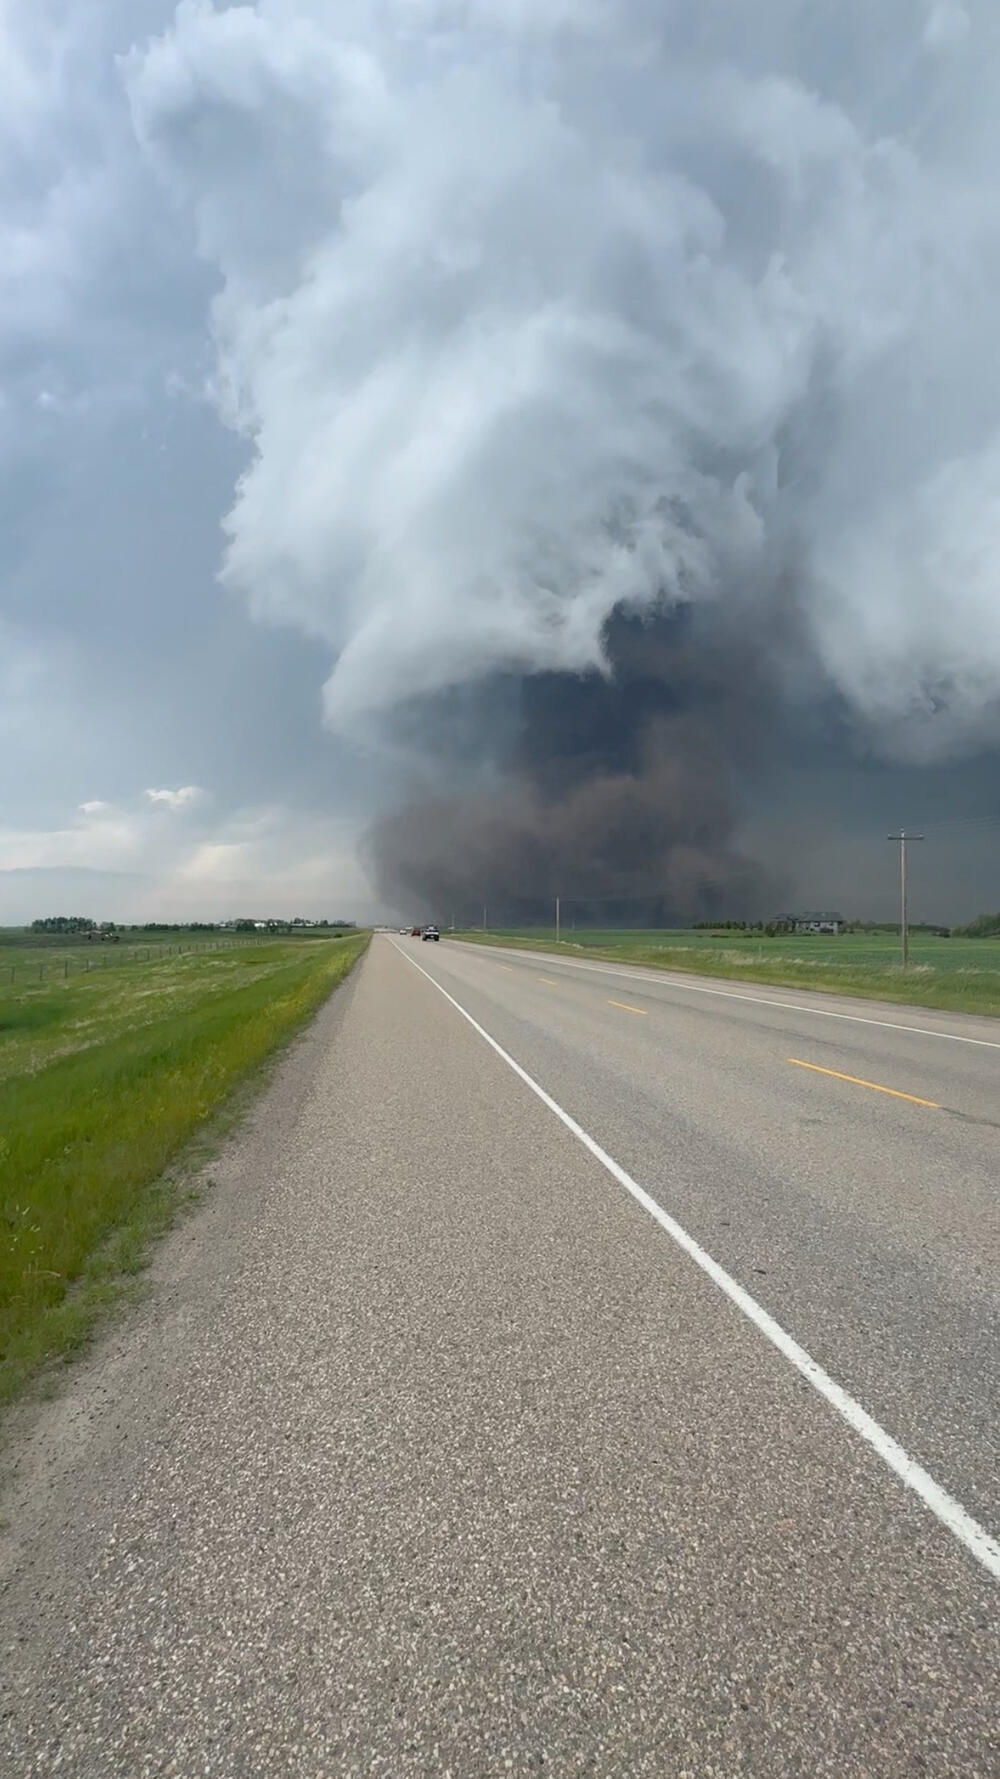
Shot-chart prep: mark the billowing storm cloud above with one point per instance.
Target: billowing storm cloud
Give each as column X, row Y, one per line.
column 536, row 313
column 600, row 406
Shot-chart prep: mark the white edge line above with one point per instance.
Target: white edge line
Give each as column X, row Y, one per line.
column 631, row 974
column 943, row 1506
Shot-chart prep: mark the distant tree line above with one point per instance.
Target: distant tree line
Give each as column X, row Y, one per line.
column 892, row 926
column 776, row 929
column 78, row 925
column 768, row 929
column 985, row 926
column 291, row 926
column 64, row 923
column 81, row 925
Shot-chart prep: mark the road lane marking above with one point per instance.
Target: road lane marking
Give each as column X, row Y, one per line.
column 626, row 1008
column 856, row 1081
column 549, row 982
column 663, row 978
column 949, row 1512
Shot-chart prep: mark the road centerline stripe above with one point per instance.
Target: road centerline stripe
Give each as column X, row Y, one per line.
column 857, row 1081
column 627, row 1008
column 949, row 1512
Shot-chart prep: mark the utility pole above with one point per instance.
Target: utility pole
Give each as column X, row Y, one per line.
column 902, row 839
column 484, row 917
column 557, row 920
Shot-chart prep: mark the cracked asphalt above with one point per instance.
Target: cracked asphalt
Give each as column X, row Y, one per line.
column 429, row 1453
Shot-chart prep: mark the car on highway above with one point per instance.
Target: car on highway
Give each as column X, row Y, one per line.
column 431, row 933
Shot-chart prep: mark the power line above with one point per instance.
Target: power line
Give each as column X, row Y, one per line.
column 979, row 823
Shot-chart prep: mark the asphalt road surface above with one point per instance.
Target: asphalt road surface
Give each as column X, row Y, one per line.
column 631, row 1414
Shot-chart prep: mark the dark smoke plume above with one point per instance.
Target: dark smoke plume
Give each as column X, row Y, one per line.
column 617, row 793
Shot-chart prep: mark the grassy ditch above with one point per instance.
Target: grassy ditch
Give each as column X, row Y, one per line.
column 105, row 1079
column 953, row 975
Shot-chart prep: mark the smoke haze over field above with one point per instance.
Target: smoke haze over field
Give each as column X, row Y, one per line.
column 618, row 787
column 614, row 395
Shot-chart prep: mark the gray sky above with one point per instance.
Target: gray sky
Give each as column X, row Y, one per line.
column 362, row 351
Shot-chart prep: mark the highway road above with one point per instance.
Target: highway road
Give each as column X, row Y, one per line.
column 573, row 1369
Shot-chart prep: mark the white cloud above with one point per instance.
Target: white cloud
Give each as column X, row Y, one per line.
column 132, row 866
column 529, row 313
column 187, row 797
column 948, row 25
column 107, row 845
column 273, row 861
column 94, row 806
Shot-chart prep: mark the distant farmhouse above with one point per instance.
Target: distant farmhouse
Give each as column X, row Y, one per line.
column 813, row 923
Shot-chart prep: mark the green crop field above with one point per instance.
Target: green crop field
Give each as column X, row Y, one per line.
column 960, row 975
column 110, row 1064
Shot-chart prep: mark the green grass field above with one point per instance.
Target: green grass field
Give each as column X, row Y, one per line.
column 39, row 957
column 107, row 1074
column 959, row 975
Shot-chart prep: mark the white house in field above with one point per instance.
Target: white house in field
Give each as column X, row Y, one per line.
column 817, row 923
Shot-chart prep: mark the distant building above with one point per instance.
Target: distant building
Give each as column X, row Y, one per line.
column 814, row 923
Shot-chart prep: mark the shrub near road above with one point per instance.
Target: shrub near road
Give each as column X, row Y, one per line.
column 105, row 1077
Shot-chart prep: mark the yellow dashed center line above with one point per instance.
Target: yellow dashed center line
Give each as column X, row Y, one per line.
column 549, row 982
column 856, row 1081
column 627, row 1008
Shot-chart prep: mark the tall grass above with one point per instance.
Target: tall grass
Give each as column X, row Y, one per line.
column 103, row 1084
